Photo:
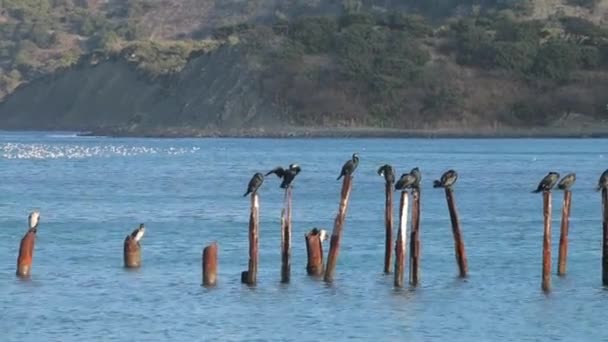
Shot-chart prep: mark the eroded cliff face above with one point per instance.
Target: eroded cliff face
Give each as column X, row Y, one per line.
column 214, row 91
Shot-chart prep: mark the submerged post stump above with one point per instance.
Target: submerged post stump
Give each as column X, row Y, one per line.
column 249, row 277
column 461, row 255
column 314, row 251
column 26, row 253
column 388, row 224
column 546, row 273
column 210, row 265
column 132, row 252
column 286, row 238
column 563, row 238
column 401, row 240
column 336, row 235
column 605, row 237
column 415, row 239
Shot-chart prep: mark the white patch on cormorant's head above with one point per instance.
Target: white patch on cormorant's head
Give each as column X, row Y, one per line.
column 140, row 233
column 323, row 235
column 33, row 219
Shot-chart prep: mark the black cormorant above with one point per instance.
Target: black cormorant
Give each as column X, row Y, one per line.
column 603, row 182
column 548, row 182
column 388, row 173
column 33, row 219
column 350, row 166
column 567, row 182
column 416, row 173
column 288, row 175
column 138, row 233
column 406, row 181
column 254, row 184
column 447, row 180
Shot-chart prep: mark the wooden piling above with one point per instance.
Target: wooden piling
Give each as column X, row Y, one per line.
column 336, row 235
column 605, row 237
column 250, row 276
column 563, row 238
column 210, row 265
column 314, row 251
column 546, row 273
column 461, row 255
column 415, row 239
column 388, row 224
column 132, row 253
column 26, row 254
column 286, row 237
column 400, row 243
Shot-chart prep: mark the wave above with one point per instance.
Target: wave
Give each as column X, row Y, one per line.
column 66, row 151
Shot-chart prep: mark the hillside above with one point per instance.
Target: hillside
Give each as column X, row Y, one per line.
column 203, row 67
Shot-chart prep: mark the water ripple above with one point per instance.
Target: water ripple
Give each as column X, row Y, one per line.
column 65, row 151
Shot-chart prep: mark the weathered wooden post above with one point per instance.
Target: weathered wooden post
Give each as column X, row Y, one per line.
column 286, row 237
column 563, row 238
column 336, row 235
column 461, row 255
column 400, row 243
column 415, row 239
column 210, row 265
column 314, row 252
column 605, row 237
column 388, row 173
column 26, row 247
column 546, row 275
column 250, row 276
column 132, row 248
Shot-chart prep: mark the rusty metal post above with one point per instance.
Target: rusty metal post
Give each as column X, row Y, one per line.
column 210, row 265
column 605, row 237
column 314, row 251
column 563, row 238
column 415, row 239
column 250, row 276
column 336, row 235
column 400, row 243
column 286, row 238
column 26, row 253
column 388, row 224
column 461, row 255
column 132, row 253
column 546, row 275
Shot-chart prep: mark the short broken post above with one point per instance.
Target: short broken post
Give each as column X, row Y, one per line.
column 388, row 224
column 132, row 252
column 249, row 277
column 400, row 243
column 26, row 253
column 563, row 238
column 415, row 239
column 314, row 252
column 210, row 265
column 605, row 237
column 461, row 255
column 286, row 237
column 336, row 235
column 546, row 273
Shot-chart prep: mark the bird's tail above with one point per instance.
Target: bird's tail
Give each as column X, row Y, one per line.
column 437, row 184
column 247, row 193
column 536, row 191
column 269, row 172
column 340, row 176
column 598, row 188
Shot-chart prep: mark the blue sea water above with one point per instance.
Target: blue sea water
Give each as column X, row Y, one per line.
column 93, row 191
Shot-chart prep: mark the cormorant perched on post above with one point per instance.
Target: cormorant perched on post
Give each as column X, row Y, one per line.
column 548, row 182
column 288, row 175
column 567, row 182
column 416, row 173
column 406, row 181
column 33, row 219
column 138, row 233
column 603, row 182
column 447, row 179
column 350, row 166
column 388, row 173
column 255, row 183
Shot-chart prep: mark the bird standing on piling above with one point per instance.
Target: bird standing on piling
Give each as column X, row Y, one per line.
column 388, row 173
column 567, row 182
column 138, row 233
column 448, row 179
column 254, row 184
column 603, row 182
column 288, row 175
column 416, row 173
column 323, row 235
column 350, row 166
column 33, row 219
column 406, row 181
column 548, row 182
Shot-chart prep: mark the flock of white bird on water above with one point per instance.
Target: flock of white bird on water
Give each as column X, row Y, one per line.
column 49, row 151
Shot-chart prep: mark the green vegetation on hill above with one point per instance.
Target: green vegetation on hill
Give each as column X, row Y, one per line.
column 409, row 64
